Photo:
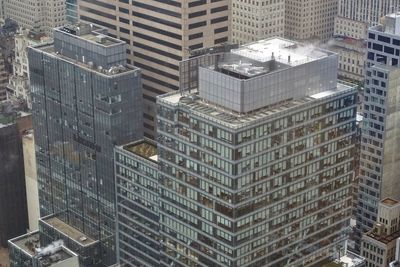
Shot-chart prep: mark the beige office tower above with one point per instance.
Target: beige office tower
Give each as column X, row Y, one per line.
column 36, row 15
column 159, row 35
column 255, row 20
column 310, row 19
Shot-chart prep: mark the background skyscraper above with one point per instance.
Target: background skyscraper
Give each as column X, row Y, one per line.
column 36, row 15
column 256, row 20
column 380, row 132
column 351, row 24
column 159, row 35
column 310, row 19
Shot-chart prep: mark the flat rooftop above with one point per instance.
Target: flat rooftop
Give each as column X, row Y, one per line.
column 266, row 56
column 59, row 255
column 232, row 119
column 88, row 32
column 69, row 231
column 27, row 243
column 114, row 70
column 282, row 50
column 143, row 148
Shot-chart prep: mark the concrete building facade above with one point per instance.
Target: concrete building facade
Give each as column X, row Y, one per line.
column 380, row 135
column 378, row 246
column 310, row 19
column 351, row 24
column 159, row 35
column 36, row 15
column 18, row 85
column 256, row 20
column 3, row 79
column 262, row 187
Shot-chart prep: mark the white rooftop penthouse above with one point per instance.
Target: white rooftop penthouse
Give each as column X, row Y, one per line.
column 267, row 72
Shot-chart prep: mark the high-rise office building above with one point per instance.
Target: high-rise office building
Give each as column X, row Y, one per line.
column 85, row 100
column 256, row 163
column 380, row 134
column 310, row 19
column 159, row 35
column 351, row 24
column 256, row 20
column 36, row 15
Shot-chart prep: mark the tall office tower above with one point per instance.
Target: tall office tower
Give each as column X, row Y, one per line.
column 380, row 133
column 159, row 35
column 36, row 15
column 3, row 79
column 136, row 173
column 18, row 85
column 256, row 20
column 13, row 206
column 85, row 100
column 379, row 244
column 256, row 164
column 310, row 19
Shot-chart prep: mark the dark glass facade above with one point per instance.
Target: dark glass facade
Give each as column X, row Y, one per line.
column 85, row 100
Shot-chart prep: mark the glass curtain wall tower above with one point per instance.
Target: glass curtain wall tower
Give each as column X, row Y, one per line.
column 85, row 100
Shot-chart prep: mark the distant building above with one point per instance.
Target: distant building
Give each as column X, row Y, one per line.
column 310, row 19
column 40, row 16
column 18, row 86
column 256, row 20
column 378, row 246
column 71, row 11
column 13, row 205
column 3, row 79
column 351, row 25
